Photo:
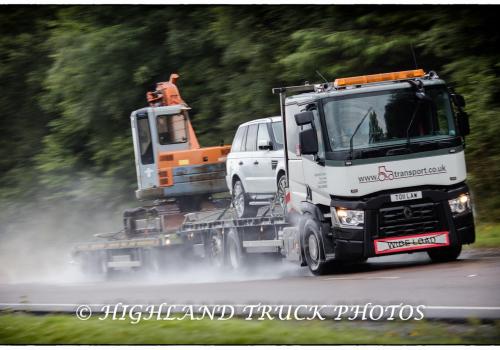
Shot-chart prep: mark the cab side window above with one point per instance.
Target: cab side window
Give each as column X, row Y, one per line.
column 145, row 144
column 171, row 129
column 317, row 125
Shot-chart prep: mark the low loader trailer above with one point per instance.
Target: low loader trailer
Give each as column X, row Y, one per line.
column 374, row 164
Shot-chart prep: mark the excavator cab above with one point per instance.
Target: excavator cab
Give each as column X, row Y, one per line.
column 169, row 160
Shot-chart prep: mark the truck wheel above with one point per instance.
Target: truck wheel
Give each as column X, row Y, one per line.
column 445, row 254
column 281, row 192
column 313, row 249
column 240, row 201
column 235, row 254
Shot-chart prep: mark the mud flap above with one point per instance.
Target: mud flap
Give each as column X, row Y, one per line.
column 291, row 244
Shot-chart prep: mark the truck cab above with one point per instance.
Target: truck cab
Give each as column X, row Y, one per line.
column 376, row 166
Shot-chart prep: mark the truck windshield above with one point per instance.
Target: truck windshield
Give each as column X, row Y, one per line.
column 389, row 116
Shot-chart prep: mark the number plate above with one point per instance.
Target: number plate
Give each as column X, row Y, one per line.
column 407, row 196
column 400, row 244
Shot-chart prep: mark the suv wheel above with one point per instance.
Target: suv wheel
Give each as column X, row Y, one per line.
column 281, row 192
column 240, row 201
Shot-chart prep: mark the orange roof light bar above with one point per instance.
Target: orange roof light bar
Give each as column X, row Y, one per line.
column 376, row 78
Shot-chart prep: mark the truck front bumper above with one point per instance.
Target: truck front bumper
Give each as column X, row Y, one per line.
column 432, row 214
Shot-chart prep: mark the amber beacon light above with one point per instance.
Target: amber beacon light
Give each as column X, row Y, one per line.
column 376, row 78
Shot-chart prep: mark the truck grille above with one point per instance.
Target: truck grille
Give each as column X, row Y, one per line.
column 409, row 219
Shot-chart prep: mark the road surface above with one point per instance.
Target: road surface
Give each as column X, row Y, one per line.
column 465, row 288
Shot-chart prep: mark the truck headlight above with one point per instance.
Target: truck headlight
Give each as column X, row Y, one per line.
column 348, row 218
column 460, row 205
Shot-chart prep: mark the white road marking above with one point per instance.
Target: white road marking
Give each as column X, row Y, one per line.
column 36, row 305
column 362, row 278
column 431, row 307
column 472, row 275
column 463, row 307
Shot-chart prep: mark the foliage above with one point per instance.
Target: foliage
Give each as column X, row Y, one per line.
column 66, row 329
column 487, row 235
column 71, row 75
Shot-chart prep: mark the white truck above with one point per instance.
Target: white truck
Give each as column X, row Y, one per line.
column 374, row 165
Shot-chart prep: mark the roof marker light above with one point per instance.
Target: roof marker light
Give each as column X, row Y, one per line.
column 376, row 78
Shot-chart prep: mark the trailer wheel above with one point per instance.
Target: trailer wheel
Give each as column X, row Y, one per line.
column 241, row 202
column 152, row 260
column 215, row 249
column 445, row 254
column 94, row 264
column 235, row 254
column 313, row 249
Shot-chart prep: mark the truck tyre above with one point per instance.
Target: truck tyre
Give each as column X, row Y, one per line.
column 234, row 249
column 445, row 254
column 281, row 192
column 313, row 249
column 241, row 201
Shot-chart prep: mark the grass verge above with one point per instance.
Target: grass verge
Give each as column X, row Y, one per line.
column 487, row 235
column 18, row 328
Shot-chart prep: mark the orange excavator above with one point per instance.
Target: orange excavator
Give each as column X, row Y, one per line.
column 172, row 169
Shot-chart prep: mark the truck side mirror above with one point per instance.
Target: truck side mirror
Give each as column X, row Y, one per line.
column 458, row 100
column 304, row 118
column 308, row 141
column 264, row 144
column 463, row 123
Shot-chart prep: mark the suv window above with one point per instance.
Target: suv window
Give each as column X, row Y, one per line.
column 251, row 138
column 278, row 132
column 238, row 139
column 263, row 133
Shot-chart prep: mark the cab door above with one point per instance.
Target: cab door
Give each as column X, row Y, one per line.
column 144, row 151
column 296, row 180
column 314, row 172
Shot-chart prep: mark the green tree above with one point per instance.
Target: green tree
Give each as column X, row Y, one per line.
column 70, row 77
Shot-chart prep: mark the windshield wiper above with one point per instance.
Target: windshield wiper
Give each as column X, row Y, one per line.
column 410, row 125
column 418, row 87
column 351, row 146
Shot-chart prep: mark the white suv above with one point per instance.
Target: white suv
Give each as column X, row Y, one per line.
column 255, row 165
